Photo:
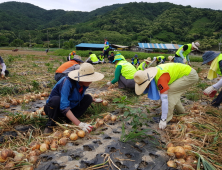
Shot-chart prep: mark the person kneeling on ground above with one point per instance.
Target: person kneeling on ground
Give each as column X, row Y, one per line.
column 135, row 60
column 92, row 59
column 101, row 58
column 68, row 98
column 71, row 55
column 215, row 61
column 65, row 68
column 124, row 73
column 171, row 59
column 144, row 65
column 3, row 71
column 172, row 79
column 159, row 60
column 111, row 57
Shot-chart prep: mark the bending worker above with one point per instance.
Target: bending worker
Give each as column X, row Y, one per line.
column 182, row 54
column 65, row 68
column 135, row 60
column 172, row 80
column 71, row 55
column 215, row 61
column 124, row 73
column 159, row 59
column 68, row 98
column 144, row 65
column 171, row 59
column 4, row 72
column 92, row 59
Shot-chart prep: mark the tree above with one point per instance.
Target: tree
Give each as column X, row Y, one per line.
column 17, row 42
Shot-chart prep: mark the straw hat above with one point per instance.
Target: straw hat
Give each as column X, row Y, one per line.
column 170, row 58
column 143, row 79
column 85, row 73
column 195, row 45
column 148, row 60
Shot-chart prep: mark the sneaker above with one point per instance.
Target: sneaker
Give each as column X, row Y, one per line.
column 48, row 130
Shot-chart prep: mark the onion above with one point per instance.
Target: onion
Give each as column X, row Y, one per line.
column 2, row 159
column 66, row 133
column 95, row 95
column 14, row 102
column 191, row 160
column 73, row 136
column 179, row 152
column 170, row 151
column 171, row 164
column 22, row 149
column 48, row 140
column 7, row 105
column 169, row 145
column 33, row 159
column 179, row 161
column 42, row 98
column 27, row 167
column 9, row 165
column 35, row 153
column 113, row 118
column 34, row 145
column 187, row 147
column 44, row 147
column 174, row 120
column 81, row 134
column 54, row 146
column 187, row 167
column 105, row 103
column 43, row 113
column 174, row 129
column 63, row 141
column 19, row 101
column 57, row 134
column 7, row 153
column 38, row 96
column 33, row 98
column 106, row 118
column 19, row 157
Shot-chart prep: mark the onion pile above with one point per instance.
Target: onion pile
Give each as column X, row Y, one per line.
column 34, row 145
column 171, row 164
column 54, row 146
column 9, row 165
column 19, row 157
column 22, row 149
column 57, row 135
column 106, row 118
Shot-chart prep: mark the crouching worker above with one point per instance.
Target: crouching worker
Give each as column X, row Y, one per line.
column 172, row 80
column 65, row 68
column 101, row 58
column 144, row 65
column 124, row 73
column 92, row 59
column 135, row 60
column 215, row 61
column 3, row 71
column 159, row 59
column 68, row 98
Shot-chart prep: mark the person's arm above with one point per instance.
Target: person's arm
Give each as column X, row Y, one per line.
column 71, row 117
column 138, row 61
column 87, row 59
column 117, row 74
column 144, row 66
column 181, row 54
column 76, row 67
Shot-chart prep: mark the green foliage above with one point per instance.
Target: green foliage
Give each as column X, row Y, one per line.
column 193, row 95
column 35, row 85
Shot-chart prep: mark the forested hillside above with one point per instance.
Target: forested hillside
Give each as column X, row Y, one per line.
column 126, row 24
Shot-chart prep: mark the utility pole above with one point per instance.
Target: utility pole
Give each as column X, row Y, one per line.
column 48, row 39
column 59, row 41
column 30, row 44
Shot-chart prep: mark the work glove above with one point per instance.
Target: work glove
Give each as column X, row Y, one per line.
column 211, row 91
column 184, row 60
column 85, row 127
column 108, row 83
column 98, row 100
column 162, row 124
column 3, row 74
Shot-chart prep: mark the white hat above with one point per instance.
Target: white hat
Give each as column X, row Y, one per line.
column 143, row 79
column 148, row 60
column 170, row 58
column 154, row 58
column 85, row 73
column 196, row 45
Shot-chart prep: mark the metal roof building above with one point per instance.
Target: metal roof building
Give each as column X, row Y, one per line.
column 88, row 46
column 159, row 46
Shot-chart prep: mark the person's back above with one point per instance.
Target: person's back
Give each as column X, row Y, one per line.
column 128, row 70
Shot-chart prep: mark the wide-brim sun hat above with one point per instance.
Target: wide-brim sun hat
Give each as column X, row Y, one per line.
column 170, row 58
column 195, row 45
column 86, row 73
column 143, row 78
column 148, row 60
column 118, row 57
column 209, row 56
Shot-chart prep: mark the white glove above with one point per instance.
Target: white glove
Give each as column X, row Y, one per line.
column 162, row 124
column 211, row 91
column 108, row 83
column 184, row 60
column 98, row 100
column 3, row 74
column 154, row 58
column 85, row 127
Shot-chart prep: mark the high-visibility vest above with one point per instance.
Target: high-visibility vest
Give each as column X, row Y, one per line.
column 185, row 53
column 141, row 66
column 158, row 58
column 135, row 61
column 66, row 66
column 94, row 58
column 175, row 70
column 107, row 46
column 101, row 57
column 219, row 59
column 128, row 70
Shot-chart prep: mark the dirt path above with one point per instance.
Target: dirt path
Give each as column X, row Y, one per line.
column 19, row 52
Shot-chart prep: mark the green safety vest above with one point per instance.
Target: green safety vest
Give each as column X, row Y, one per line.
column 105, row 47
column 101, row 57
column 93, row 58
column 135, row 61
column 141, row 66
column 185, row 53
column 175, row 70
column 162, row 57
column 128, row 70
column 219, row 59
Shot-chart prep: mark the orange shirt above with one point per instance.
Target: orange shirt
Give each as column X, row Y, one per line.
column 163, row 82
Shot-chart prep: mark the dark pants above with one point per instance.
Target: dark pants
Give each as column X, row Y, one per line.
column 126, row 83
column 58, row 76
column 111, row 59
column 217, row 101
column 6, row 72
column 52, row 109
column 92, row 62
column 106, row 53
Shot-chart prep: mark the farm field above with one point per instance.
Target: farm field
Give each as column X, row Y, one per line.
column 133, row 141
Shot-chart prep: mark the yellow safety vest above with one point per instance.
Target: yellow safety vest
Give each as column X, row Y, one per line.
column 185, row 53
column 94, row 58
column 141, row 66
column 128, row 70
column 219, row 59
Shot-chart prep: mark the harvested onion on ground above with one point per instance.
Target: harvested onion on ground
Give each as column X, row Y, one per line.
column 81, row 134
column 179, row 152
column 66, row 133
column 44, row 147
column 171, row 164
column 113, row 118
column 63, row 141
column 73, row 136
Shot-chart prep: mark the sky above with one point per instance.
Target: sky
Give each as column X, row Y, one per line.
column 90, row 5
